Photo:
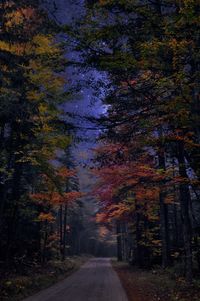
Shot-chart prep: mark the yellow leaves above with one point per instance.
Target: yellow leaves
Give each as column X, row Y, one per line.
column 40, row 45
column 43, row 108
column 103, row 2
column 35, row 96
column 59, row 141
column 180, row 49
column 15, row 18
column 44, row 45
column 17, row 48
column 43, row 76
column 156, row 242
column 4, row 46
column 20, row 16
column 46, row 152
column 46, row 217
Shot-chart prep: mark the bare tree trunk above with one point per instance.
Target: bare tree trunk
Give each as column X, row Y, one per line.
column 44, row 243
column 138, row 253
column 16, row 183
column 119, row 242
column 164, row 232
column 164, row 222
column 65, row 232
column 185, row 215
column 61, row 228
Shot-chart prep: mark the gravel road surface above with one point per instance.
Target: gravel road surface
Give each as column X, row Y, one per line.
column 95, row 281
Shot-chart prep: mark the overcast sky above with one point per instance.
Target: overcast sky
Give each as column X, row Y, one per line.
column 84, row 103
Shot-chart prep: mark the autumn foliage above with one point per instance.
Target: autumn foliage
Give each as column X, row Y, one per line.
column 148, row 162
column 34, row 180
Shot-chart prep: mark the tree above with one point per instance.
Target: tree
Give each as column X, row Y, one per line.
column 154, row 75
column 33, row 128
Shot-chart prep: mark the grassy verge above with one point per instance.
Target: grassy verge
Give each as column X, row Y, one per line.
column 156, row 285
column 15, row 287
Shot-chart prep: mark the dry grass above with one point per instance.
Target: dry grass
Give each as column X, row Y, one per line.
column 16, row 287
column 155, row 285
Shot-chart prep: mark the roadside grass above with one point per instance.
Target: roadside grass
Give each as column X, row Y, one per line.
column 16, row 287
column 155, row 285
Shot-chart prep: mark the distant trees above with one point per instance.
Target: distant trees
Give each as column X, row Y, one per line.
column 34, row 183
column 149, row 164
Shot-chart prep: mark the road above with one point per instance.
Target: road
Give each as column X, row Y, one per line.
column 95, row 281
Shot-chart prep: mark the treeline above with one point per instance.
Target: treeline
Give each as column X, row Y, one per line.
column 148, row 163
column 40, row 216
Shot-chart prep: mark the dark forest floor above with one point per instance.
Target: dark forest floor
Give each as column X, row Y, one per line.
column 17, row 286
column 155, row 285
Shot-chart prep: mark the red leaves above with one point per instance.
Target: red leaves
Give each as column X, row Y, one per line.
column 130, row 83
column 121, row 186
column 129, row 176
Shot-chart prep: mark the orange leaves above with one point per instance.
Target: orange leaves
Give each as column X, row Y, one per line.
column 147, row 193
column 51, row 200
column 127, row 188
column 20, row 15
column 123, row 178
column 26, row 18
column 40, row 197
column 56, row 198
column 72, row 196
column 46, row 198
column 103, row 232
column 101, row 217
column 130, row 83
column 118, row 210
column 46, row 217
column 169, row 199
column 113, row 212
column 114, row 151
column 64, row 172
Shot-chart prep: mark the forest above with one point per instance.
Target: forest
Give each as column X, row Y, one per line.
column 145, row 57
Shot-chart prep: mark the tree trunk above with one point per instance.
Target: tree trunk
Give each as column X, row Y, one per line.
column 164, row 222
column 139, row 252
column 16, row 184
column 119, row 242
column 185, row 215
column 61, row 228
column 65, row 232
column 164, row 232
column 44, row 243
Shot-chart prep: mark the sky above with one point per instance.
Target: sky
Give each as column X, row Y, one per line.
column 84, row 103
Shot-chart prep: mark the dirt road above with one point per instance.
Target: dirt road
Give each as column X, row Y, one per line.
column 95, row 281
